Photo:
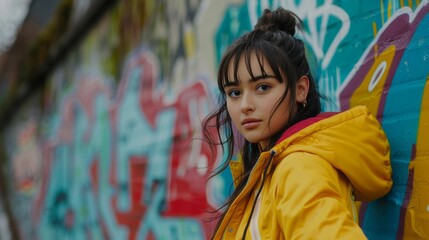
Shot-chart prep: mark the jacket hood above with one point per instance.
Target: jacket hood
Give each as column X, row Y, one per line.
column 353, row 142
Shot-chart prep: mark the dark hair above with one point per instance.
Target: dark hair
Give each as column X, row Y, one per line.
column 273, row 42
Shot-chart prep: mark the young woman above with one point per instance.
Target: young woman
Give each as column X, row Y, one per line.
column 299, row 169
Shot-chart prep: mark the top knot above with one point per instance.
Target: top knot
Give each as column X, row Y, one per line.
column 278, row 20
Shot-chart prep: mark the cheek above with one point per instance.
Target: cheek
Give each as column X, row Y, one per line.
column 282, row 110
column 228, row 107
column 232, row 111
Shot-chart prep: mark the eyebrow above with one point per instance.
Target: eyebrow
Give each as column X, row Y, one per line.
column 255, row 79
column 263, row 76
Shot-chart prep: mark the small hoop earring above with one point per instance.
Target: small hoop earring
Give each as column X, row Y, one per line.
column 304, row 104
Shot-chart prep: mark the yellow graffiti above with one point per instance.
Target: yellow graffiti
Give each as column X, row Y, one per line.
column 370, row 91
column 410, row 3
column 189, row 41
column 374, row 28
column 389, row 9
column 417, row 214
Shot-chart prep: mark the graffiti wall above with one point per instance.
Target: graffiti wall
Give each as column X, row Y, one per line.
column 116, row 153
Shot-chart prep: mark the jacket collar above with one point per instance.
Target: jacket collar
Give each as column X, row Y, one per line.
column 303, row 124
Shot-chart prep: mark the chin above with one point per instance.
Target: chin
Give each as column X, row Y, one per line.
column 254, row 140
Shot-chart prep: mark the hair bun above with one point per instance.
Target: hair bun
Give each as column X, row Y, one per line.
column 278, row 20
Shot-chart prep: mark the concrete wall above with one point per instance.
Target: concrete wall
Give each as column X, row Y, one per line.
column 115, row 153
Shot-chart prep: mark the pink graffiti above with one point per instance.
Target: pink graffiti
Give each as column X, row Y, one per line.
column 192, row 202
column 188, row 164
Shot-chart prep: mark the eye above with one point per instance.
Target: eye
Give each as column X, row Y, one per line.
column 263, row 88
column 234, row 93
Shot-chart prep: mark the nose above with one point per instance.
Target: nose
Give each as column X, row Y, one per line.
column 247, row 103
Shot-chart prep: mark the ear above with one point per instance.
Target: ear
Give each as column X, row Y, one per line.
column 302, row 86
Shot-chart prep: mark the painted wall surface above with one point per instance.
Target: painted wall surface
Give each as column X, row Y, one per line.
column 118, row 156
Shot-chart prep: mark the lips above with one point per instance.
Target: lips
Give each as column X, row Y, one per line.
column 250, row 123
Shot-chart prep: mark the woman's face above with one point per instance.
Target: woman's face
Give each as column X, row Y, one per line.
column 251, row 101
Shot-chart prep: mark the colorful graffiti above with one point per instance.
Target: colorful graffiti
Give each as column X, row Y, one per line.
column 131, row 168
column 391, row 79
column 127, row 161
column 27, row 160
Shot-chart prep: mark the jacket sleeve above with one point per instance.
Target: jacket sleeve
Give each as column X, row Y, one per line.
column 307, row 196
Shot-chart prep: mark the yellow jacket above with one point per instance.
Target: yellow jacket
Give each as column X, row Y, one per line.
column 311, row 178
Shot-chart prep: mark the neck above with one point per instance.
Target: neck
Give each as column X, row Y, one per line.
column 262, row 146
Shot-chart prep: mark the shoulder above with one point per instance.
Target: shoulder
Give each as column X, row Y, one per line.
column 299, row 162
column 301, row 170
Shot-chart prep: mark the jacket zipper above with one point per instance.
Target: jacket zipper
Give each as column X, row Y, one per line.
column 354, row 210
column 264, row 174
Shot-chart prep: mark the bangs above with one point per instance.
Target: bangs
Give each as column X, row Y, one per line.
column 265, row 54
